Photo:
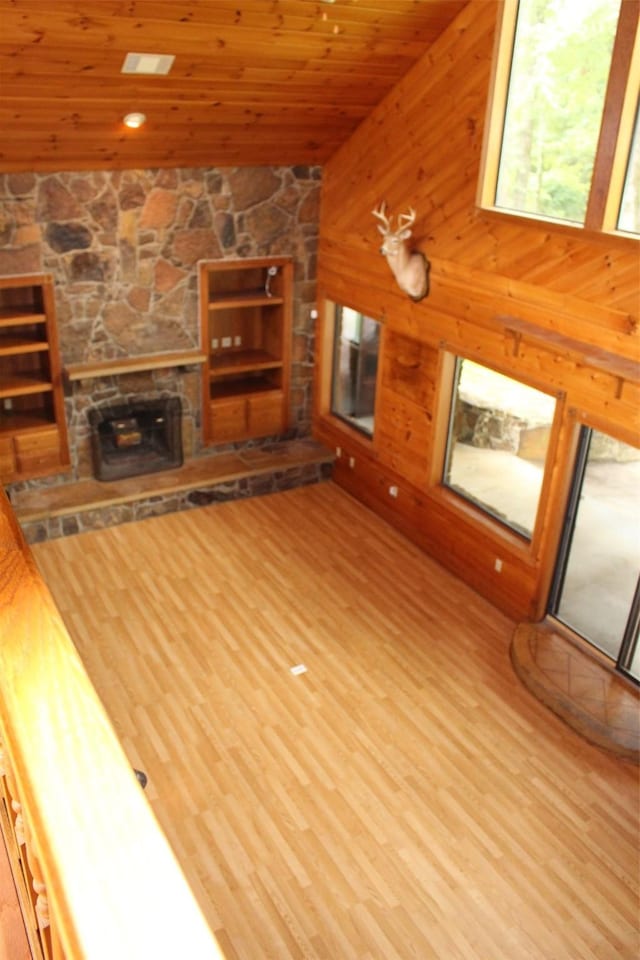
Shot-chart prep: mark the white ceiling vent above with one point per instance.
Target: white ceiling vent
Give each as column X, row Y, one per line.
column 150, row 64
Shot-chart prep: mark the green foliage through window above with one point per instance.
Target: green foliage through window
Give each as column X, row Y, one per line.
column 561, row 144
column 559, row 72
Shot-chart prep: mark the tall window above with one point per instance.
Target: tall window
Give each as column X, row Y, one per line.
column 561, row 143
column 499, row 432
column 355, row 367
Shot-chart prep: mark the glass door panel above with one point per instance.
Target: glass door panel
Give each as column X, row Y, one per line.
column 596, row 586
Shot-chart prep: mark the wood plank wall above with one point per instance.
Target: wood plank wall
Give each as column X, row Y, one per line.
column 555, row 306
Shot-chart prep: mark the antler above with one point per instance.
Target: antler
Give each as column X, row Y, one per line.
column 406, row 219
column 381, row 215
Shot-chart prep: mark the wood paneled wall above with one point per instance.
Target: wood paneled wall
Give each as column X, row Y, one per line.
column 553, row 305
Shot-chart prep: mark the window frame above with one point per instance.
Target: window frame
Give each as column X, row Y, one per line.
column 586, row 424
column 354, row 421
column 528, row 546
column 325, row 384
column 621, row 105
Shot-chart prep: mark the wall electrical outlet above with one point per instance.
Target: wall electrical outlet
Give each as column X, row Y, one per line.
column 8, row 403
column 497, row 566
column 352, row 462
column 226, row 342
column 338, row 452
column 215, row 343
column 237, row 341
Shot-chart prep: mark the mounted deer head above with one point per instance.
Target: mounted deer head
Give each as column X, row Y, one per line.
column 410, row 267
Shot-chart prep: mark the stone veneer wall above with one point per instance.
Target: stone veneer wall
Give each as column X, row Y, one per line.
column 123, row 249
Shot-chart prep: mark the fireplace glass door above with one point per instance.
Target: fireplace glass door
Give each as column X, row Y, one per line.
column 129, row 439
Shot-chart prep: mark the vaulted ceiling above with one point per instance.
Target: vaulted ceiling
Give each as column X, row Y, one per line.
column 253, row 81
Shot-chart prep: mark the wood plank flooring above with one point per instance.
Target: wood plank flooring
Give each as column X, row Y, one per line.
column 405, row 798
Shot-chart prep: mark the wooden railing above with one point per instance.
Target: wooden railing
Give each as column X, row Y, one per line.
column 96, row 876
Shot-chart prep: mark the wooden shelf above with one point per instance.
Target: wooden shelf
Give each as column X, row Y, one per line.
column 16, row 386
column 155, row 361
column 22, row 422
column 592, row 356
column 15, row 316
column 12, row 346
column 241, row 361
column 244, row 298
column 242, row 387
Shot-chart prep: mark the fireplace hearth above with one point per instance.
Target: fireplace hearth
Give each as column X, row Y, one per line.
column 143, row 436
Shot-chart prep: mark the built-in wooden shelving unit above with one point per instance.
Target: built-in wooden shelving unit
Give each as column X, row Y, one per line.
column 33, row 435
column 245, row 314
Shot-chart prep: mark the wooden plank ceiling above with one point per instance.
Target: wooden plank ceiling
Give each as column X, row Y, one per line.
column 253, row 81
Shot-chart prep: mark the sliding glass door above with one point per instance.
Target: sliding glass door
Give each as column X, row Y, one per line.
column 596, row 588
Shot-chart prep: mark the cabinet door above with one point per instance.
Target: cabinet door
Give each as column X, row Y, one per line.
column 266, row 414
column 37, row 451
column 228, row 419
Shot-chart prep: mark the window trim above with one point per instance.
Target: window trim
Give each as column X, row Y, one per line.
column 616, row 128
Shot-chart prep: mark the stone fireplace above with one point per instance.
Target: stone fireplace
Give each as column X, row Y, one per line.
column 139, row 437
column 124, row 247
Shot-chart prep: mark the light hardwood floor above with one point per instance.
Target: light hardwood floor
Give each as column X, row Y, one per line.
column 405, row 798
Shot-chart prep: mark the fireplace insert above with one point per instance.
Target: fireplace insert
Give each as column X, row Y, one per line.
column 142, row 436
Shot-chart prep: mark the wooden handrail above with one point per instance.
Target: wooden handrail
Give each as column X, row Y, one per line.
column 113, row 885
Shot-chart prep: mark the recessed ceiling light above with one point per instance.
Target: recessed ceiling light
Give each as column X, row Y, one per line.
column 151, row 64
column 134, row 120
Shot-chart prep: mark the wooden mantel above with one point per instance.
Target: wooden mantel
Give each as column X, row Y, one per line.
column 75, row 817
column 119, row 365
